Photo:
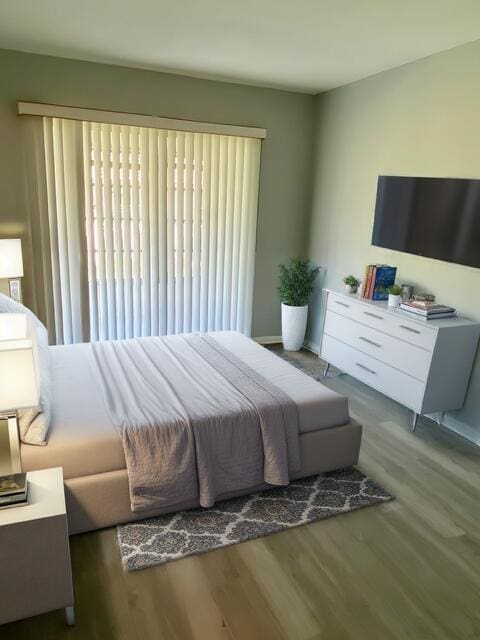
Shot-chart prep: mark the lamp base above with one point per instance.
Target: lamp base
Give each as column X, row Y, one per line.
column 10, row 459
column 13, row 490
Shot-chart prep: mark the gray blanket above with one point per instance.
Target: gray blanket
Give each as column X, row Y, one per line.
column 194, row 419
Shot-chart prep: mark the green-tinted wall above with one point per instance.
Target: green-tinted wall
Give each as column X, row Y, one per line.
column 422, row 119
column 285, row 185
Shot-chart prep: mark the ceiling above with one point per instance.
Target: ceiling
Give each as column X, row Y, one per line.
column 303, row 45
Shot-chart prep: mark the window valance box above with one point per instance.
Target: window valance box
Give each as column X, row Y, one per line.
column 137, row 120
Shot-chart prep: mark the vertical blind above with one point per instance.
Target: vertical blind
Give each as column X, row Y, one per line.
column 164, row 222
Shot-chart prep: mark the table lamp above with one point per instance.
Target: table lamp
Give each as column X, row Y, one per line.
column 19, row 389
column 11, row 265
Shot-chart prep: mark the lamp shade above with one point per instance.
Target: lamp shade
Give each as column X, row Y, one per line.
column 19, row 388
column 11, row 261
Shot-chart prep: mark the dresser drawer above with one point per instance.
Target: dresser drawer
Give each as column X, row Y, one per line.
column 390, row 381
column 394, row 324
column 404, row 356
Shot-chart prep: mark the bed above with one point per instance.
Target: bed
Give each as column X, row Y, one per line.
column 85, row 442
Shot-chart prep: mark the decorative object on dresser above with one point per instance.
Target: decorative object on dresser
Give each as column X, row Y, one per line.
column 351, row 284
column 407, row 291
column 378, row 277
column 423, row 297
column 11, row 265
column 394, row 295
column 35, row 553
column 19, row 389
column 296, row 286
column 424, row 366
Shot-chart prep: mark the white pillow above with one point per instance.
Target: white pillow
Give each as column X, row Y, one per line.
column 34, row 422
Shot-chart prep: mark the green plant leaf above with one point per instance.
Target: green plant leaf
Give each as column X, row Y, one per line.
column 297, row 280
column 351, row 280
column 394, row 290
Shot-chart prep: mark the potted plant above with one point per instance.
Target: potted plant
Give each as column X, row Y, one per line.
column 394, row 297
column 351, row 284
column 296, row 286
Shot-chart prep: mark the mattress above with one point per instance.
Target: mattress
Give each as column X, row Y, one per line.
column 84, row 442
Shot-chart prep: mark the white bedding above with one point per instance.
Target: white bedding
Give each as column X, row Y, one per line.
column 83, row 440
column 194, row 419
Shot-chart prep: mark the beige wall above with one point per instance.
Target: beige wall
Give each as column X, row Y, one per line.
column 286, row 157
column 421, row 119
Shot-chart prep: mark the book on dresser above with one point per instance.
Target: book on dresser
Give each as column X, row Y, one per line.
column 13, row 490
column 423, row 364
column 427, row 310
column 377, row 278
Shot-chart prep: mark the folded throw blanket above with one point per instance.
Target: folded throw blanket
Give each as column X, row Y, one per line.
column 194, row 419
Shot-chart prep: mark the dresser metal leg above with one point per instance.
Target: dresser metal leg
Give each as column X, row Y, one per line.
column 70, row 615
column 325, row 371
column 414, row 421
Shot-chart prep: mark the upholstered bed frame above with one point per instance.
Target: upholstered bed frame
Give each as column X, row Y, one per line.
column 84, row 442
column 102, row 500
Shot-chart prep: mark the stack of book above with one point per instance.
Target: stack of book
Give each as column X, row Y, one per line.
column 378, row 277
column 13, row 490
column 427, row 310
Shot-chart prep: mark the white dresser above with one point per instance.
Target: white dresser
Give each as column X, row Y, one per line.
column 424, row 365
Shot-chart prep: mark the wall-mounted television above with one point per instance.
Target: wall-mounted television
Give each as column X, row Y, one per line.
column 433, row 217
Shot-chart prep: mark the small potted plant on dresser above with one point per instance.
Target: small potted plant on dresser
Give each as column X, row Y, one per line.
column 394, row 295
column 296, row 286
column 351, row 284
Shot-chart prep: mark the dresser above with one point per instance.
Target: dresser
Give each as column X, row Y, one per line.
column 423, row 364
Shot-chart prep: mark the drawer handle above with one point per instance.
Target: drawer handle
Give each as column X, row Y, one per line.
column 362, row 366
column 342, row 304
column 375, row 344
column 404, row 326
column 373, row 315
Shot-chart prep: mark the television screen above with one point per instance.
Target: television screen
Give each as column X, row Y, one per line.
column 433, row 217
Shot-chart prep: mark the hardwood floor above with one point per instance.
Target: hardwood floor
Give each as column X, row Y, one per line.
column 406, row 570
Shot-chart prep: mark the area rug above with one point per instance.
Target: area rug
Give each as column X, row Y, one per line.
column 166, row 538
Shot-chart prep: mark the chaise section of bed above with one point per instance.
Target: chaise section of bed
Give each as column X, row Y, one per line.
column 84, row 441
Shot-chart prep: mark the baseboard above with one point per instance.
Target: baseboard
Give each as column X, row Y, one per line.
column 268, row 339
column 308, row 344
column 311, row 346
column 460, row 428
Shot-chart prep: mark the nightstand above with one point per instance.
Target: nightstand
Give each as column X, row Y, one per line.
column 36, row 574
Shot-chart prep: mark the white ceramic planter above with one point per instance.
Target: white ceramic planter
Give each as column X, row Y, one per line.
column 350, row 289
column 294, row 325
column 394, row 301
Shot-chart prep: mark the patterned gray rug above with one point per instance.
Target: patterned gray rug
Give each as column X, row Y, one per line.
column 158, row 540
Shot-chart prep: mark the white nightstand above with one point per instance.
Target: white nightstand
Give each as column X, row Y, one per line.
column 36, row 574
